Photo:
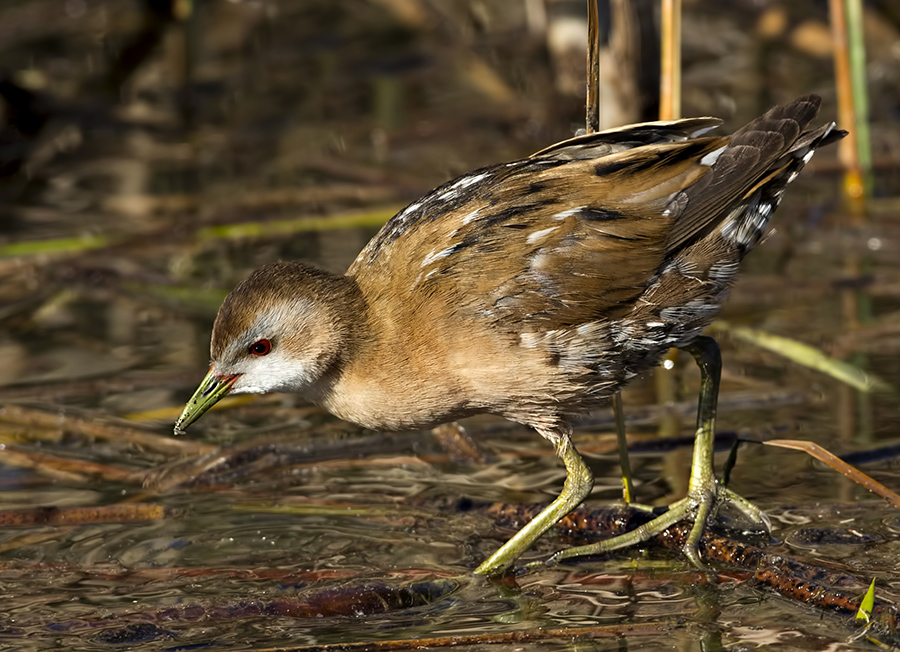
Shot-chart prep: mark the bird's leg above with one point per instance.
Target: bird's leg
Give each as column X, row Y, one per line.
column 704, row 492
column 703, row 489
column 622, row 440
column 702, row 485
column 579, row 482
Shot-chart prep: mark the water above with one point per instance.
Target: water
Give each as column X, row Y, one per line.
column 282, row 120
column 348, row 515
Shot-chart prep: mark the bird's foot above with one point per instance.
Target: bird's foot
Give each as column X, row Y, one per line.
column 701, row 504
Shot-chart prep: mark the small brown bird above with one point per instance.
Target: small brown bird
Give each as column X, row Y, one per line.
column 533, row 290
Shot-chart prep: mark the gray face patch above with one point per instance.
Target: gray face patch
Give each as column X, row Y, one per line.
column 282, row 369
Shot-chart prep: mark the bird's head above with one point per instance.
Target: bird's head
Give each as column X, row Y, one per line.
column 281, row 330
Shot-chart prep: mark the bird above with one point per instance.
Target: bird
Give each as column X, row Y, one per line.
column 533, row 290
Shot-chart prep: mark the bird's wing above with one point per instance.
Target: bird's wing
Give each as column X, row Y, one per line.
column 564, row 237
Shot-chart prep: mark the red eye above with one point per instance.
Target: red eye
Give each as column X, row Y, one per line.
column 260, row 348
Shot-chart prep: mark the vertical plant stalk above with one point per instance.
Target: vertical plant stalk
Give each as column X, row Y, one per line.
column 592, row 125
column 858, row 78
column 670, row 69
column 592, row 99
column 669, row 109
column 854, row 152
column 849, row 71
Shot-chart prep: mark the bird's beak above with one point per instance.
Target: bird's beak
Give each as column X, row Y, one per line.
column 212, row 389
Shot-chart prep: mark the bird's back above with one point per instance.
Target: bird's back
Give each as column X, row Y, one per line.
column 592, row 257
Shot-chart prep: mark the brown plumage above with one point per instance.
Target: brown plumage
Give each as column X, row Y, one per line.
column 532, row 290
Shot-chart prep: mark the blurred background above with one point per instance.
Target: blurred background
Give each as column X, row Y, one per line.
column 154, row 152
column 128, row 126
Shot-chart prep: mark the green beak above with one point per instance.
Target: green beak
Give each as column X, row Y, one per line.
column 208, row 394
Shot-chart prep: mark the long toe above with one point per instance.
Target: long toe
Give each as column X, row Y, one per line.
column 698, row 508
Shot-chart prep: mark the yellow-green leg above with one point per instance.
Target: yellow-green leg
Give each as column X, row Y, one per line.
column 622, row 441
column 704, row 492
column 579, row 482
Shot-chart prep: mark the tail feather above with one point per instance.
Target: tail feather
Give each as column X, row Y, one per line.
column 763, row 156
